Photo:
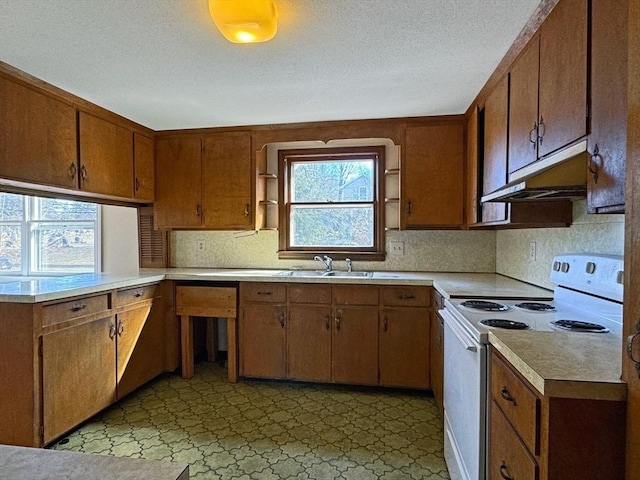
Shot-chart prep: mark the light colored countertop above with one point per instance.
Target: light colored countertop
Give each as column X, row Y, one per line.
column 564, row 364
column 22, row 463
column 459, row 285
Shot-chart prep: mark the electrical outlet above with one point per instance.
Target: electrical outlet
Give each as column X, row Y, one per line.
column 201, row 245
column 396, row 248
column 532, row 251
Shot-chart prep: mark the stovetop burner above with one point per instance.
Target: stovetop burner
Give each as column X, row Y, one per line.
column 535, row 307
column 485, row 305
column 579, row 326
column 502, row 323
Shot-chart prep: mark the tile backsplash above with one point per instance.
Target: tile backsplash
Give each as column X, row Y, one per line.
column 433, row 250
column 602, row 234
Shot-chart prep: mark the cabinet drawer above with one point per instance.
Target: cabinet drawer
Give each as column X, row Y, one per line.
column 519, row 404
column 64, row 311
column 263, row 292
column 307, row 293
column 135, row 294
column 355, row 295
column 206, row 301
column 508, row 457
column 406, row 296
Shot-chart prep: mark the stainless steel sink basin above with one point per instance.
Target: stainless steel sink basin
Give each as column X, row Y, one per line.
column 322, row 273
column 337, row 273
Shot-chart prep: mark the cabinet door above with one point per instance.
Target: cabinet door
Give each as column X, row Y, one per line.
column 563, row 76
column 523, row 107
column 262, row 340
column 106, row 157
column 433, row 176
column 78, row 374
column 494, row 171
column 227, row 180
column 404, row 348
column 178, row 180
column 144, row 168
column 436, row 356
column 355, row 345
column 37, row 137
column 606, row 189
column 140, row 345
column 309, row 340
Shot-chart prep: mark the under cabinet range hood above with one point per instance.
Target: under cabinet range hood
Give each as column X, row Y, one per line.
column 562, row 176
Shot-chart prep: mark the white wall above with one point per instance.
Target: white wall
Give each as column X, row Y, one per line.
column 119, row 239
column 589, row 233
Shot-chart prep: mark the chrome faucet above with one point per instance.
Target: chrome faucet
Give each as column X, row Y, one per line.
column 349, row 265
column 326, row 260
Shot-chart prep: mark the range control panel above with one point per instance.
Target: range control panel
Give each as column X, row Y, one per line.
column 601, row 275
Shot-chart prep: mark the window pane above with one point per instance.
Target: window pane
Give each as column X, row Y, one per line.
column 332, row 181
column 64, row 248
column 345, row 226
column 11, row 207
column 10, row 247
column 58, row 209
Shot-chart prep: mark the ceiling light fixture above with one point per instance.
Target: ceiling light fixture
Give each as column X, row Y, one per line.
column 245, row 21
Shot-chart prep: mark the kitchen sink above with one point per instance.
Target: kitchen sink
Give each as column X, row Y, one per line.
column 322, row 273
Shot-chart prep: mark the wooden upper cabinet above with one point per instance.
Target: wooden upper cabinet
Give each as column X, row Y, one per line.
column 496, row 120
column 607, row 142
column 178, row 192
column 563, row 76
column 144, row 168
column 37, row 137
column 523, row 107
column 433, row 177
column 548, row 91
column 228, row 181
column 106, row 157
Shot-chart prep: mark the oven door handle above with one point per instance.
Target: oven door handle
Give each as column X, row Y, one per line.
column 467, row 342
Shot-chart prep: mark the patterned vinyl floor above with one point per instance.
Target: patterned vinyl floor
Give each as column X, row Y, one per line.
column 271, row 430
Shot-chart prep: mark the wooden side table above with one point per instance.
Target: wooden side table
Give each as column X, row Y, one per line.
column 213, row 302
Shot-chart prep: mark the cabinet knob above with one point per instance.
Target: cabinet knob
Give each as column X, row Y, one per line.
column 283, row 319
column 533, row 135
column 338, row 322
column 120, row 328
column 327, row 322
column 595, row 161
column 504, row 472
column 246, row 210
column 541, row 130
column 83, row 172
column 72, row 170
column 112, row 331
column 385, row 324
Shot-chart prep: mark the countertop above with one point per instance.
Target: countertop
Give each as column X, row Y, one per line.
column 22, row 463
column 564, row 364
column 448, row 284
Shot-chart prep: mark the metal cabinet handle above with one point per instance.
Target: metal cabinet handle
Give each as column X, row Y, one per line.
column 283, row 319
column 533, row 135
column 246, row 210
column 112, row 331
column 406, row 296
column 338, row 322
column 409, row 207
column 504, row 472
column 265, row 292
column 595, row 159
column 77, row 307
column 198, row 210
column 73, row 170
column 630, row 341
column 541, row 130
column 137, row 294
column 385, row 324
column 327, row 322
column 137, row 184
column 120, row 328
column 83, row 172
column 507, row 396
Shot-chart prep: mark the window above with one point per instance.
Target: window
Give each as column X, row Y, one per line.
column 331, row 202
column 47, row 235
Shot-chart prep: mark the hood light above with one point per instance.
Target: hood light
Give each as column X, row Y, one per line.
column 245, row 21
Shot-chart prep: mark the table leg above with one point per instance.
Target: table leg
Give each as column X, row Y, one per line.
column 232, row 350
column 186, row 342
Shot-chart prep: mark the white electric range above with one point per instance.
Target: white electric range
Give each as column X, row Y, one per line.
column 587, row 300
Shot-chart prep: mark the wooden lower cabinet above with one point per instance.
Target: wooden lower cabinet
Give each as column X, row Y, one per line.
column 78, row 374
column 335, row 333
column 538, row 437
column 263, row 340
column 404, row 347
column 355, row 345
column 436, row 348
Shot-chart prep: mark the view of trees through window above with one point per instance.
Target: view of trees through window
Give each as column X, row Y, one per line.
column 45, row 235
column 332, row 203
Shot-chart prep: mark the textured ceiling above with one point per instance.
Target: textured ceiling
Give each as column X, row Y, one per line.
column 162, row 63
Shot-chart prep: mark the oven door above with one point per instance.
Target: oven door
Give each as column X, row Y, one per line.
column 465, row 400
